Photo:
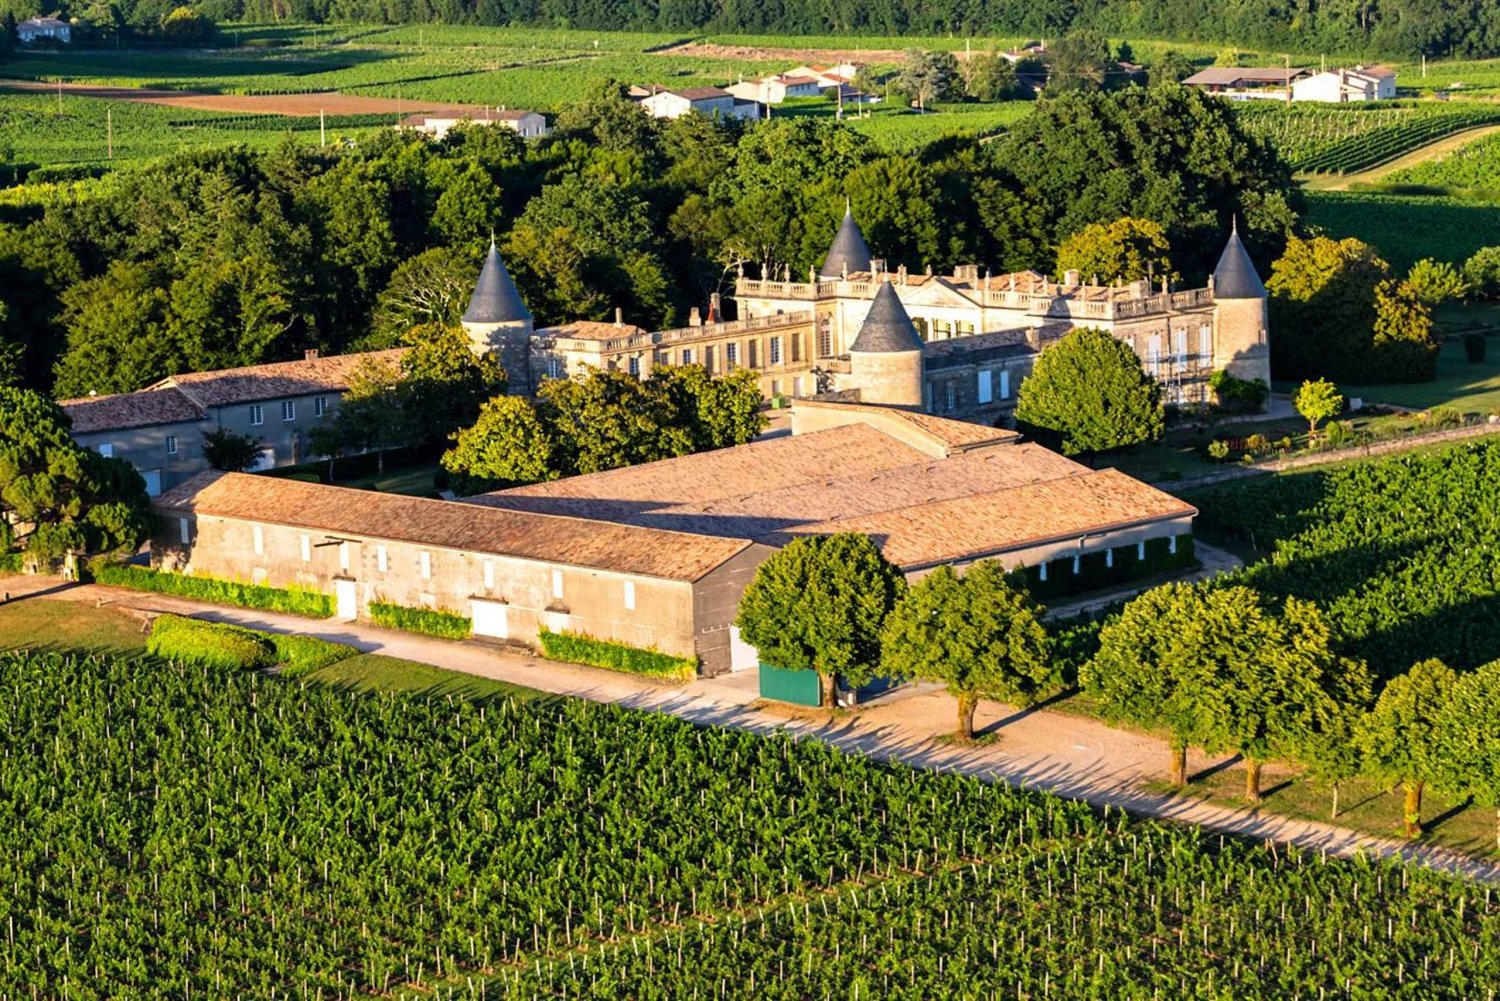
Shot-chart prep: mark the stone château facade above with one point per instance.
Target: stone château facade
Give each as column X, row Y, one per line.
column 976, row 335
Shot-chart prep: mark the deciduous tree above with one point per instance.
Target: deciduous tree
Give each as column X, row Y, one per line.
column 1468, row 753
column 1089, row 392
column 1401, row 737
column 819, row 604
column 230, row 451
column 978, row 634
column 1125, row 249
column 1317, row 400
column 507, row 446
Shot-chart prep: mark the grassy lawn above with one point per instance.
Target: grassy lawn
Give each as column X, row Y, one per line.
column 38, row 623
column 69, row 625
column 403, row 474
column 1363, row 806
column 373, row 672
column 1459, row 384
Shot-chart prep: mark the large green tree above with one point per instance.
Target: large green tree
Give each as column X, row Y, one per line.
column 1468, row 753
column 1089, row 394
column 978, row 634
column 818, row 604
column 1122, row 250
column 443, row 382
column 507, row 446
column 1161, row 661
column 1401, row 737
column 64, row 498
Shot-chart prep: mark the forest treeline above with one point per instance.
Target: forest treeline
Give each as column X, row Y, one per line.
column 1466, row 28
column 233, row 257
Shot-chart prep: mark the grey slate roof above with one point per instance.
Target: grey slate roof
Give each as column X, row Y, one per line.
column 495, row 299
column 848, row 253
column 1235, row 276
column 887, row 329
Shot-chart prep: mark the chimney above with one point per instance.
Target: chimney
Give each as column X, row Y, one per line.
column 619, row 317
column 311, row 354
column 694, row 320
column 715, row 308
column 877, row 267
column 1072, row 277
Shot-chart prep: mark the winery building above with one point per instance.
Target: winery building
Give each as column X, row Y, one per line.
column 657, row 555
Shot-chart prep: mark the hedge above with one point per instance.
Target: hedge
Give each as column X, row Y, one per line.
column 295, row 600
column 580, row 648
column 428, row 621
column 11, row 562
column 209, row 644
column 1098, row 570
column 220, row 645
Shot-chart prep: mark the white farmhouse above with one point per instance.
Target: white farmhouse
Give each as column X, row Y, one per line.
column 38, row 28
column 775, row 89
column 1363, row 83
column 712, row 102
column 529, row 124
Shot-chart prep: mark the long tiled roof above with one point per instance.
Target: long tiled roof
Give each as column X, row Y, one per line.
column 1001, row 521
column 567, row 541
column 989, row 499
column 592, row 330
column 943, row 433
column 121, row 411
column 267, row 382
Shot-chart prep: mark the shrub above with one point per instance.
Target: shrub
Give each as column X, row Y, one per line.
column 209, row 644
column 1257, row 444
column 299, row 655
column 10, row 562
column 580, row 648
column 1476, row 347
column 294, row 601
column 1218, row 450
column 428, row 621
column 221, row 645
column 1238, row 396
column 1338, row 432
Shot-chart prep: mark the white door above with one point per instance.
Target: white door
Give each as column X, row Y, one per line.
column 153, row 481
column 489, row 619
column 344, row 596
column 742, row 656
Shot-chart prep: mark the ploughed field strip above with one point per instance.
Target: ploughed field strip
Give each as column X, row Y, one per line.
column 228, row 834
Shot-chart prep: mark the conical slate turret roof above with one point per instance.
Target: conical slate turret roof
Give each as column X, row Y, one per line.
column 495, row 299
column 1235, row 276
column 848, row 252
column 887, row 329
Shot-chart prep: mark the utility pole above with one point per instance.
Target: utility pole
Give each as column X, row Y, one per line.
column 59, row 95
column 1289, row 79
column 109, row 133
column 1424, row 66
column 322, row 130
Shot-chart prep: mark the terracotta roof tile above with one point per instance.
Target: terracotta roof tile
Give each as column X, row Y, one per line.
column 91, row 414
column 996, row 522
column 266, row 382
column 592, row 330
column 452, row 525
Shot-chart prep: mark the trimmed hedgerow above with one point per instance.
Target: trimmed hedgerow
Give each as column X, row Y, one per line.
column 428, row 621
column 580, row 648
column 221, row 645
column 299, row 655
column 209, row 644
column 11, row 562
column 294, row 601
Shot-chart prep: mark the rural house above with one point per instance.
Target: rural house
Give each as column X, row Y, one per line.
column 159, row 430
column 528, row 124
column 37, row 29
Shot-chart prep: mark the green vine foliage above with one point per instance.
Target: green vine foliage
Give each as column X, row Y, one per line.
column 232, row 834
column 1400, row 552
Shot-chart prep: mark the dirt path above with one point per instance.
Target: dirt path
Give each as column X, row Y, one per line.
column 824, row 57
column 1068, row 755
column 328, row 102
column 1432, row 150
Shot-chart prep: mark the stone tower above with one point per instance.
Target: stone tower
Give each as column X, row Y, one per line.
column 848, row 253
column 498, row 322
column 1240, row 320
column 885, row 360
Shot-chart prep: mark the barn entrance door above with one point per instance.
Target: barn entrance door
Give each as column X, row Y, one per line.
column 346, row 598
column 490, row 619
